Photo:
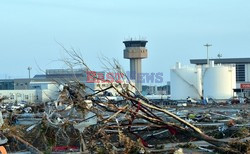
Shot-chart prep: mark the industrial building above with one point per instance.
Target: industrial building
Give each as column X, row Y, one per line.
column 242, row 75
column 17, row 84
column 48, row 91
column 62, row 75
column 213, row 81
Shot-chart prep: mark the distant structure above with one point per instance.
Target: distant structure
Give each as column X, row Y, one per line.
column 211, row 81
column 135, row 51
column 242, row 74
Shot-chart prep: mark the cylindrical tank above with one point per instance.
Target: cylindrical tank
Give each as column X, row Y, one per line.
column 185, row 82
column 219, row 81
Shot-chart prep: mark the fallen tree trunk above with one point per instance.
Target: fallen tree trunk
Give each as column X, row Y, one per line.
column 195, row 132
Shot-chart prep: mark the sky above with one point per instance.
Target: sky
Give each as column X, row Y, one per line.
column 31, row 32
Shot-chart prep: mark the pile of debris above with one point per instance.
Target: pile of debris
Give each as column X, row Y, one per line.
column 80, row 122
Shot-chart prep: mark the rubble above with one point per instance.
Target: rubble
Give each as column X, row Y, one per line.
column 87, row 123
column 65, row 128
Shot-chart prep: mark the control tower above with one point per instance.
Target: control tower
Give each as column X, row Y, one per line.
column 135, row 51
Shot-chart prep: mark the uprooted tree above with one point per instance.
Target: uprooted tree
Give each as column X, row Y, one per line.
column 126, row 119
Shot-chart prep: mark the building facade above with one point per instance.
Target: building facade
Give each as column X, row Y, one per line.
column 40, row 88
column 156, row 90
column 7, row 84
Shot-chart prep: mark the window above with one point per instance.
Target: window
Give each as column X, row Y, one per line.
column 240, row 72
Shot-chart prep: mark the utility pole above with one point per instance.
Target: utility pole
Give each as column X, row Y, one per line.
column 29, row 68
column 207, row 45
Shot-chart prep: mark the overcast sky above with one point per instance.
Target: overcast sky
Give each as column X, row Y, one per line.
column 176, row 30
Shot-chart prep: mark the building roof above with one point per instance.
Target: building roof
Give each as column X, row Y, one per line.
column 135, row 43
column 40, row 76
column 64, row 71
column 221, row 61
column 6, row 80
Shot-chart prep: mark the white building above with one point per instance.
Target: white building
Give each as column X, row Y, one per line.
column 38, row 92
column 19, row 95
column 45, row 90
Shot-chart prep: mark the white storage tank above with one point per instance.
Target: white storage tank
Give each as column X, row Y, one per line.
column 219, row 81
column 185, row 82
